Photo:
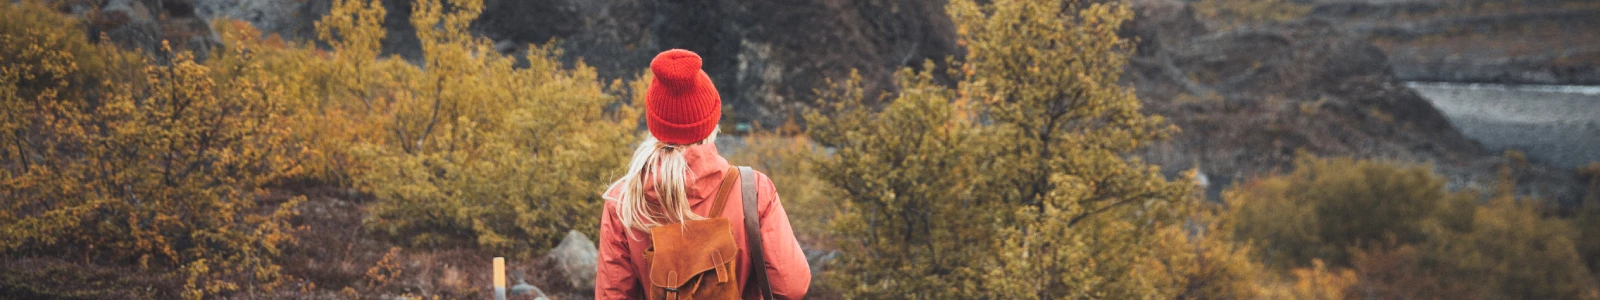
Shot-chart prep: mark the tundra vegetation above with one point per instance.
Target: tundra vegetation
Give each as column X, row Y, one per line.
column 1006, row 173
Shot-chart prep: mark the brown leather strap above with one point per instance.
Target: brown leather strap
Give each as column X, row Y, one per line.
column 722, row 192
column 752, row 233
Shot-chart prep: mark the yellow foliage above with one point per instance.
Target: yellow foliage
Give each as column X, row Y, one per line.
column 1511, row 251
column 1015, row 184
column 789, row 158
column 1317, row 282
column 1327, row 206
column 904, row 176
column 1407, row 236
column 113, row 158
column 1204, row 260
column 464, row 148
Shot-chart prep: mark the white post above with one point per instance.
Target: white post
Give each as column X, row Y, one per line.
column 499, row 278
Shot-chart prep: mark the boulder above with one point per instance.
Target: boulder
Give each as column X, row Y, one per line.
column 575, row 259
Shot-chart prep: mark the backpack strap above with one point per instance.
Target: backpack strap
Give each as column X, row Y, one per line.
column 752, row 232
column 722, row 192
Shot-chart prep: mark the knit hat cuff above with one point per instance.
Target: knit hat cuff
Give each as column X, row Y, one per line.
column 683, row 134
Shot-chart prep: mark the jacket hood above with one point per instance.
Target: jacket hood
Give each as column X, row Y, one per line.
column 706, row 168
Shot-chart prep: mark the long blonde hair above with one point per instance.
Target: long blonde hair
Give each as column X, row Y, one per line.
column 671, row 173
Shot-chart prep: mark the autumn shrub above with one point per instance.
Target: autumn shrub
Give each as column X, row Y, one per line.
column 789, row 157
column 1406, row 237
column 464, row 150
column 905, row 229
column 1205, row 262
column 337, row 98
column 1314, row 282
column 1511, row 250
column 1395, row 271
column 1016, row 183
column 1327, row 206
column 115, row 159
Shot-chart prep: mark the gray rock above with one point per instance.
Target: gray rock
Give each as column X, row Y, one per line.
column 143, row 25
column 818, row 260
column 575, row 258
column 288, row 17
column 526, row 290
column 135, row 11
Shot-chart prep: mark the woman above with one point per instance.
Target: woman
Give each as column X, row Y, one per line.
column 672, row 178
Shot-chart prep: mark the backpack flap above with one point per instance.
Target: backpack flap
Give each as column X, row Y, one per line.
column 690, row 248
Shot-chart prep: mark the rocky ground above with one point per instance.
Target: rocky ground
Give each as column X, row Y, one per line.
column 1500, row 41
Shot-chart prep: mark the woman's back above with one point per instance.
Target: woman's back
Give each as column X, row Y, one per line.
column 672, row 181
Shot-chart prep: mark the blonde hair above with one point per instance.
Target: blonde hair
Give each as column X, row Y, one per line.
column 671, row 171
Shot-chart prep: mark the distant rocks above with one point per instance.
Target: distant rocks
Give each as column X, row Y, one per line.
column 289, row 18
column 1482, row 41
column 144, row 24
column 1248, row 100
column 1536, row 70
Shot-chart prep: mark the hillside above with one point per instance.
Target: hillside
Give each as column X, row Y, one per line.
column 1529, row 42
column 1249, row 98
column 372, row 200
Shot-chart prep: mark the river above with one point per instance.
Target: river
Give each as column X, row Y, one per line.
column 1554, row 124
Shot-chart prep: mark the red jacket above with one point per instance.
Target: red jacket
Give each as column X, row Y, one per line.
column 622, row 267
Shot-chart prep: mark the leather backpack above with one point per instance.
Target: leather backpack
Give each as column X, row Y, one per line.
column 696, row 259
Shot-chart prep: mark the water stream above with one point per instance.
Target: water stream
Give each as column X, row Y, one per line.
column 1554, row 124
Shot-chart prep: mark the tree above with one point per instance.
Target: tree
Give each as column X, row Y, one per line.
column 911, row 227
column 1016, row 183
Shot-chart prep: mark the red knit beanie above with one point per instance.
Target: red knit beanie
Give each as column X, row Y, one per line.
column 681, row 105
